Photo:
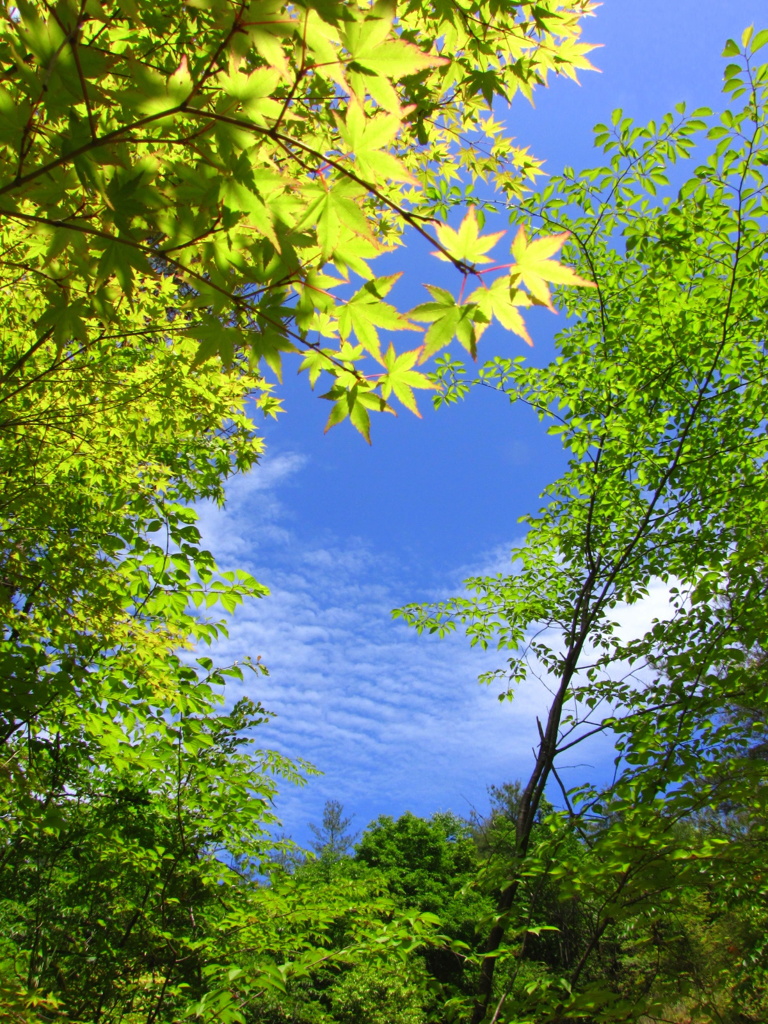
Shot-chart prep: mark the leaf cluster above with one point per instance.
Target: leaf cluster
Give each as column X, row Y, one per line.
column 657, row 398
column 226, row 157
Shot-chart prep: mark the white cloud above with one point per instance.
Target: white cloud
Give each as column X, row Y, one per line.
column 394, row 721
column 250, row 519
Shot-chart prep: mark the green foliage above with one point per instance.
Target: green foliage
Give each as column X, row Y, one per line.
column 120, row 868
column 104, row 578
column 432, row 865
column 215, row 170
column 122, row 781
column 332, row 840
column 322, row 942
column 177, row 183
column 424, row 860
column 657, row 396
column 368, row 993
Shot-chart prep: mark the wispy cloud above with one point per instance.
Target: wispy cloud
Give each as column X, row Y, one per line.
column 250, row 523
column 395, row 721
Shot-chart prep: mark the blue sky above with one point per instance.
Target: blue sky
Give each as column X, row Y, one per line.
column 342, row 533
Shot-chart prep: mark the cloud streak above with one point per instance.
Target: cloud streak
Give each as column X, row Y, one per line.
column 395, row 721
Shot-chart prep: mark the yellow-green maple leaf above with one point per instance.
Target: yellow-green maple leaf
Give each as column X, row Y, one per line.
column 466, row 244
column 502, row 301
column 536, row 270
column 400, row 378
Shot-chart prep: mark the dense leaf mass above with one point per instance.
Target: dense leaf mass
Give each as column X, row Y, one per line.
column 244, row 159
column 657, row 395
column 182, row 187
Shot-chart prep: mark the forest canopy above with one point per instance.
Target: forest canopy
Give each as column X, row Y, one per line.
column 214, row 170
column 182, row 188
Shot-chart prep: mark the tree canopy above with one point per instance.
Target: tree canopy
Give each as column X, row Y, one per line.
column 182, row 190
column 657, row 397
column 214, row 170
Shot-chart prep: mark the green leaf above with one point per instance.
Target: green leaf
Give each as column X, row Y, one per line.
column 466, row 245
column 535, row 269
column 365, row 311
column 443, row 314
column 394, row 58
column 354, row 403
column 401, row 378
column 503, row 301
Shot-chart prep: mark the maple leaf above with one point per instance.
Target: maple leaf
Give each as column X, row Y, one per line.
column 535, row 268
column 354, row 403
column 467, row 244
column 400, row 378
column 370, row 138
column 378, row 52
column 449, row 319
column 502, row 301
column 576, row 59
column 366, row 310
